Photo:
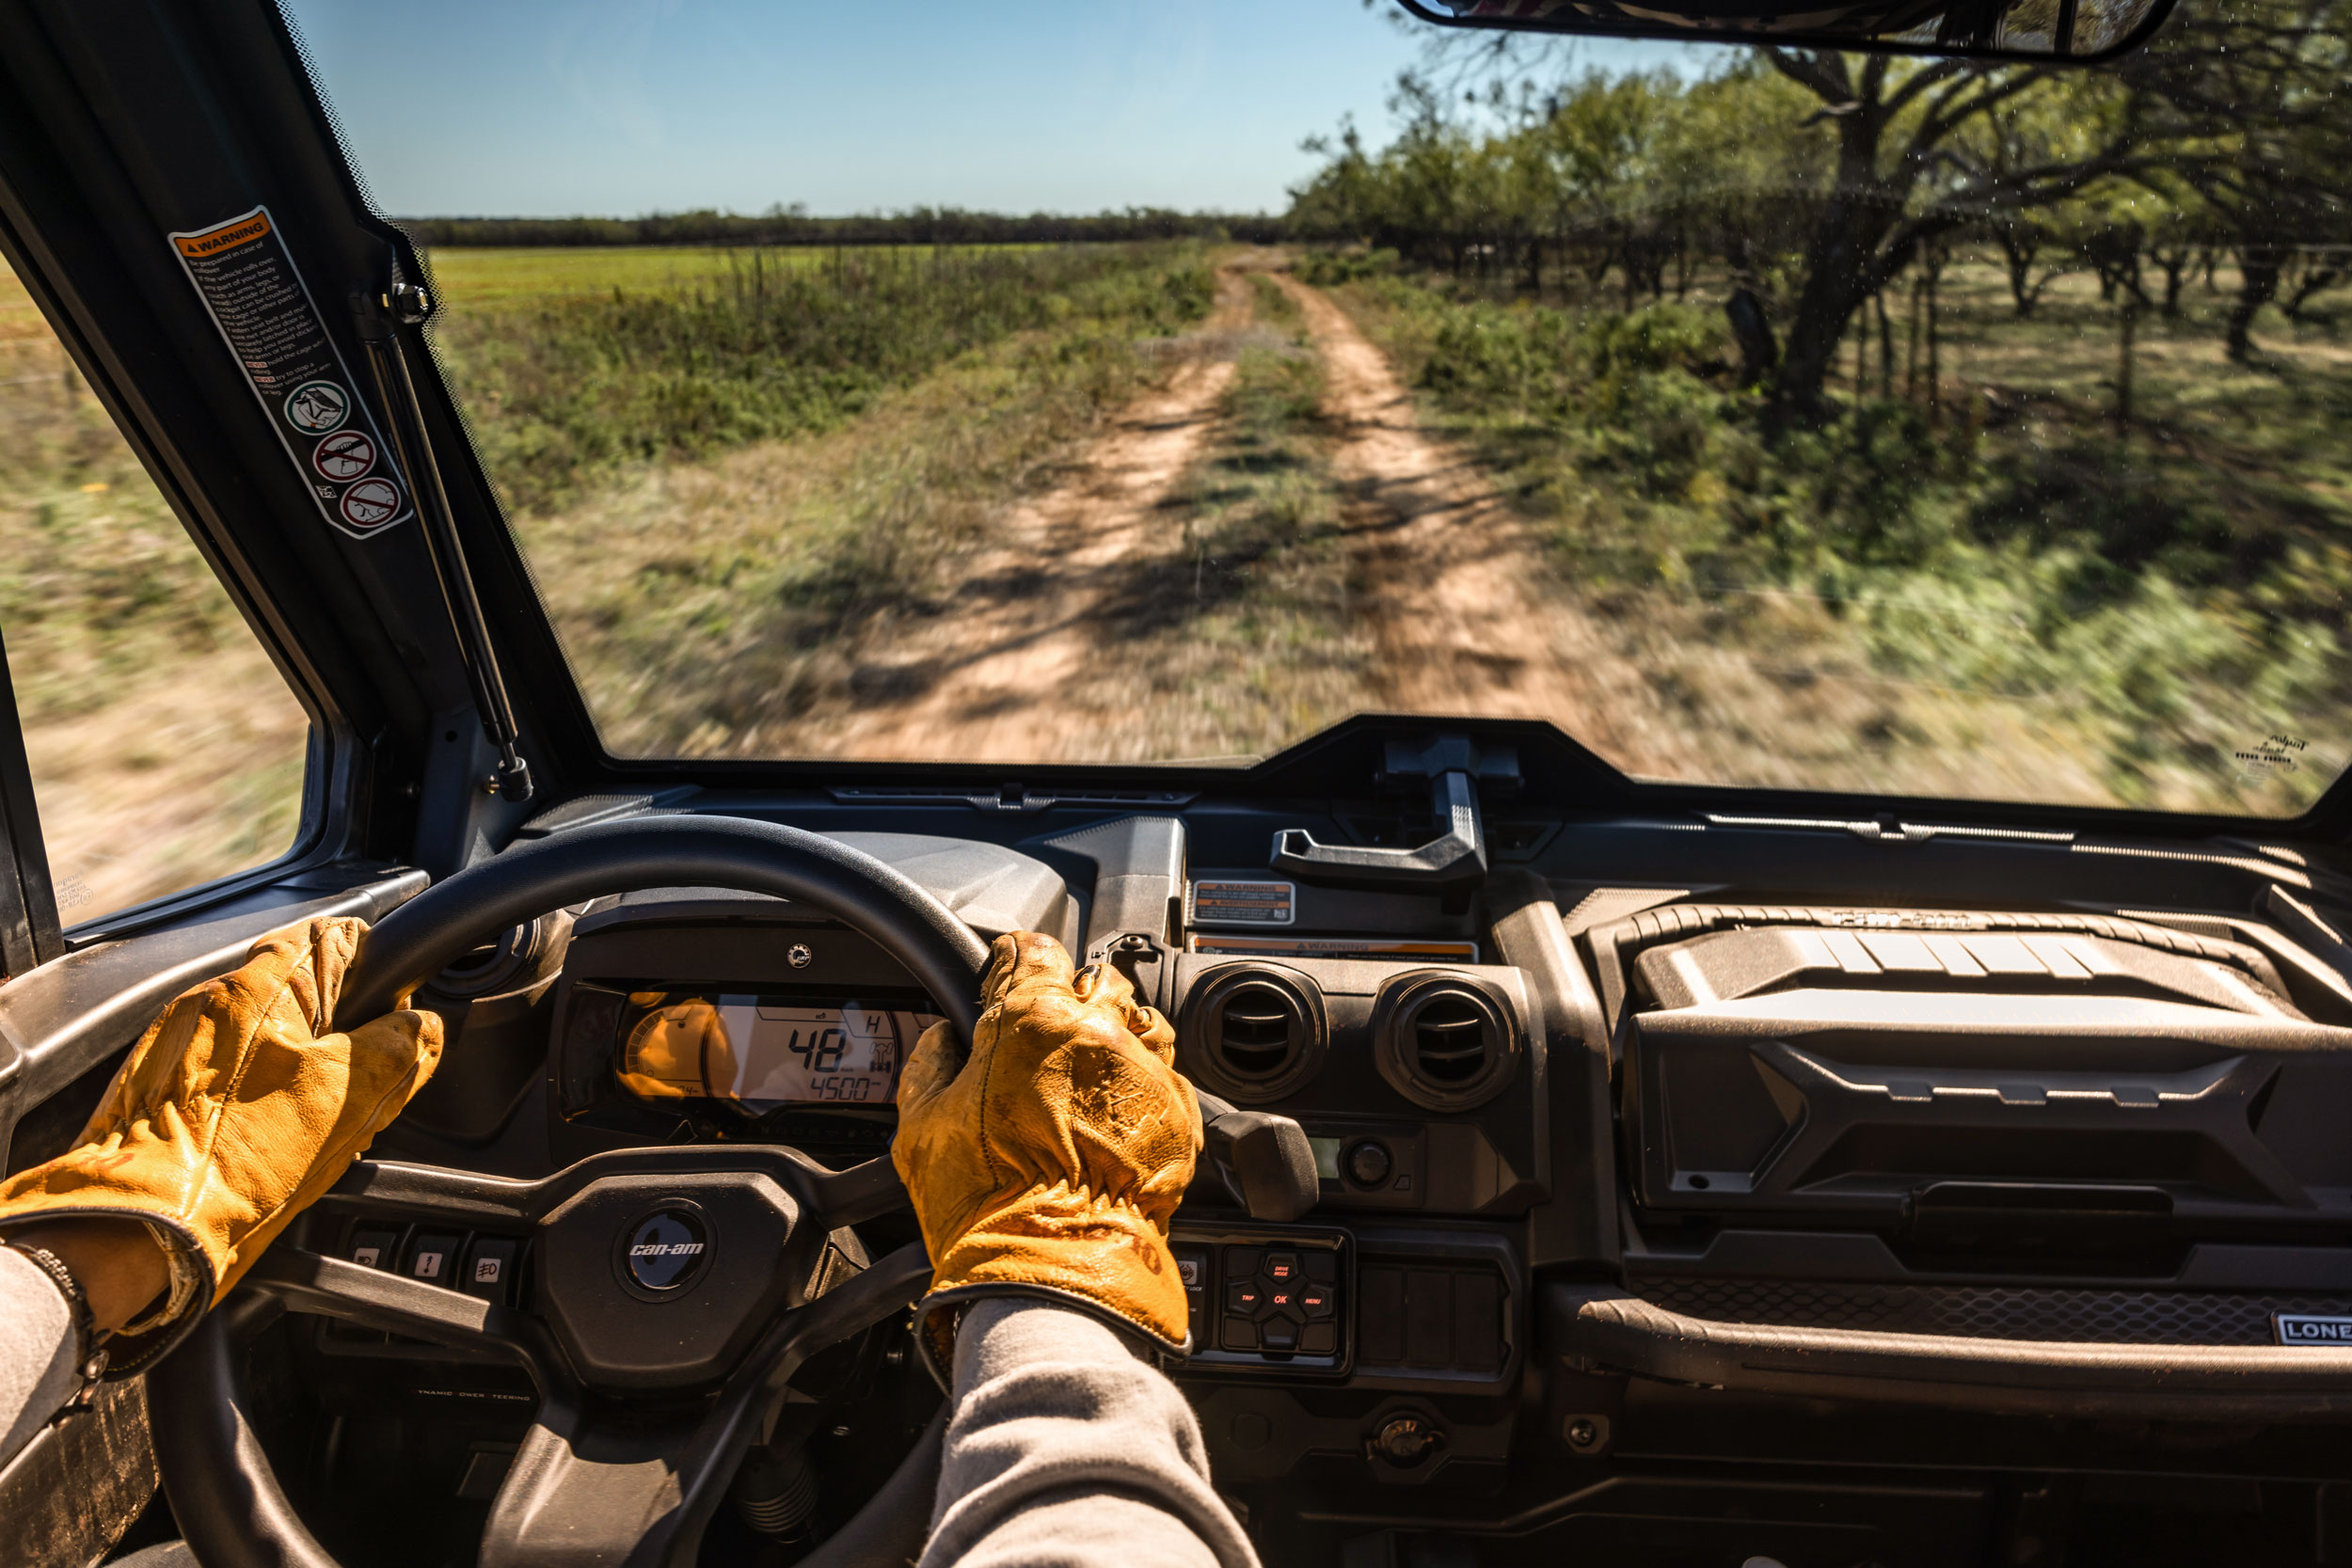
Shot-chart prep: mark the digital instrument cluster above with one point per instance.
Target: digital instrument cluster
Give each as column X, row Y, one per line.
column 760, row 1050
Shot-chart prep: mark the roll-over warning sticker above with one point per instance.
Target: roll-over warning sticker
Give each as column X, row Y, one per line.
column 246, row 279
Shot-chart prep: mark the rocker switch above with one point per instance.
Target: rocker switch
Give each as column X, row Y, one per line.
column 373, row 1249
column 434, row 1260
column 489, row 1271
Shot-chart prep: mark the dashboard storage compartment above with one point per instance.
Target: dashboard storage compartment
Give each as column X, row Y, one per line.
column 1996, row 1091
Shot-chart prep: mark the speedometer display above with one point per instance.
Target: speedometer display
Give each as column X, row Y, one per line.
column 761, row 1052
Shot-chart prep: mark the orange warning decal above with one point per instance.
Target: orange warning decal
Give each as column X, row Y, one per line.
column 211, row 242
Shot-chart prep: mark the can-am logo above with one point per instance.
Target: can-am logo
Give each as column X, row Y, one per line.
column 667, row 1249
column 2305, row 1329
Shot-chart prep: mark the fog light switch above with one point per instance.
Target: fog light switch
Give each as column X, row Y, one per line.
column 489, row 1271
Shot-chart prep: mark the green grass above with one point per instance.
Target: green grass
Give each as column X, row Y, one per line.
column 711, row 606
column 165, row 750
column 2158, row 599
column 470, row 278
column 562, row 387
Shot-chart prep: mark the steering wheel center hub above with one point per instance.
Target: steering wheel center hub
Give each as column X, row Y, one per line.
column 666, row 1250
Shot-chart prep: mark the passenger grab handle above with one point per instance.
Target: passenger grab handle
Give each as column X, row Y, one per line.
column 1453, row 768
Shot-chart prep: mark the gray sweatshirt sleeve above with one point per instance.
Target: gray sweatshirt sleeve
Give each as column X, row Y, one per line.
column 36, row 1371
column 1066, row 1451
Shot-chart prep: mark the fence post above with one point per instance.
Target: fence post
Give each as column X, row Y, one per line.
column 2128, row 328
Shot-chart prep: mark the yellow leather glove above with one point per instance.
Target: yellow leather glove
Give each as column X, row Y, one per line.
column 680, row 1052
column 230, row 1116
column 1051, row 1161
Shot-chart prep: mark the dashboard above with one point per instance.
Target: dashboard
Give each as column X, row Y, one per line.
column 1666, row 1149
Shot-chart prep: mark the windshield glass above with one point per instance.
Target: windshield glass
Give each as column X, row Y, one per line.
column 1026, row 384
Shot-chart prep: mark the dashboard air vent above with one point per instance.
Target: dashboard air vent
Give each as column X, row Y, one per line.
column 1452, row 1039
column 1254, row 1033
column 1444, row 1041
column 1259, row 1030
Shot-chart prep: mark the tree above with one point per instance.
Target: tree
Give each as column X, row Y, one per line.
column 2248, row 95
column 1923, row 149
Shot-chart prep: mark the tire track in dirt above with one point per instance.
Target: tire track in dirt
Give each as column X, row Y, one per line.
column 990, row 680
column 1472, row 620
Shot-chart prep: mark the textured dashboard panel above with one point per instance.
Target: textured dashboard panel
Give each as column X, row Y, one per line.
column 1991, row 1312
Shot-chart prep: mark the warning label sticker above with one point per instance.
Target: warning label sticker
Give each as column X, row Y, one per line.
column 1237, row 903
column 1336, row 947
column 246, row 279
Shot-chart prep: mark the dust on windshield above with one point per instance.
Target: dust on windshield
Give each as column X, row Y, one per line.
column 1770, row 417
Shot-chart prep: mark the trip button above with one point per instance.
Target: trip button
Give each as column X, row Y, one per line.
column 434, row 1260
column 1242, row 1298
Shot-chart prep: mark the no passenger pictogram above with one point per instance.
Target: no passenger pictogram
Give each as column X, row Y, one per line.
column 370, row 501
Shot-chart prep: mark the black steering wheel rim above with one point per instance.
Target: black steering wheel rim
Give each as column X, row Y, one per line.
column 223, row 1490
column 424, row 936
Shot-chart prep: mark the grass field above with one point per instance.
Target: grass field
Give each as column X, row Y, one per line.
column 166, row 749
column 720, row 587
column 570, row 386
column 471, row 278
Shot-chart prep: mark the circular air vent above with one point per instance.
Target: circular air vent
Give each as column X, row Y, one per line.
column 1254, row 1033
column 1444, row 1041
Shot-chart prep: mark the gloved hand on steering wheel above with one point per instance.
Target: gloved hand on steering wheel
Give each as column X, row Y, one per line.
column 231, row 1115
column 1049, row 1161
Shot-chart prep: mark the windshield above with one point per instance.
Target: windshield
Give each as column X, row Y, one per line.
column 1030, row 384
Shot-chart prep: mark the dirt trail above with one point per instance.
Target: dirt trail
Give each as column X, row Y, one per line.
column 1468, row 618
column 1471, row 619
column 991, row 679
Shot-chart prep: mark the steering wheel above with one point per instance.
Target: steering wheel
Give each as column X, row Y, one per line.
column 649, row 1393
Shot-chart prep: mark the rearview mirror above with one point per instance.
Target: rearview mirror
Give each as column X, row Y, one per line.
column 2080, row 32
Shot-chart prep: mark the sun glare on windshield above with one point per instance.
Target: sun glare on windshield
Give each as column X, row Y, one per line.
column 1005, row 385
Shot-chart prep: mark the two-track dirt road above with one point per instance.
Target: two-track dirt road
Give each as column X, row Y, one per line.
column 1000, row 676
column 1469, row 616
column 1452, row 589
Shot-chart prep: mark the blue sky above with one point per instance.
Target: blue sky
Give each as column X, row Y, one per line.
column 554, row 107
